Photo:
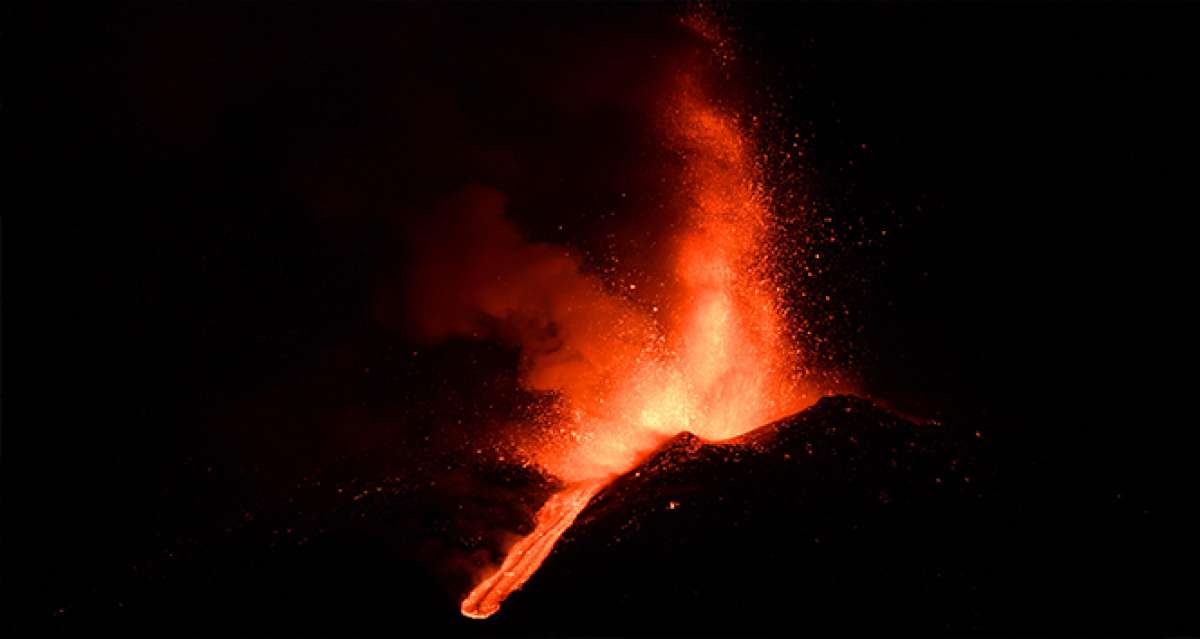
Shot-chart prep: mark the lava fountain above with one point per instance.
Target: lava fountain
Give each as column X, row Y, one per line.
column 715, row 361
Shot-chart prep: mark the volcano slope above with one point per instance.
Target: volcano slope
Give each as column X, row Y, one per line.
column 843, row 516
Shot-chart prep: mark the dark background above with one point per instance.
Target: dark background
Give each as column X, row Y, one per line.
column 214, row 208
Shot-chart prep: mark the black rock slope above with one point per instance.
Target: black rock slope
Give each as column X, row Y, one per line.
column 843, row 516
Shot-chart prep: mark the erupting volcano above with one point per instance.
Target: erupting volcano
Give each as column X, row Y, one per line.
column 710, row 357
column 604, row 319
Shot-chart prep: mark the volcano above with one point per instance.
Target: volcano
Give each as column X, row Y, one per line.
column 334, row 303
column 841, row 516
column 826, row 515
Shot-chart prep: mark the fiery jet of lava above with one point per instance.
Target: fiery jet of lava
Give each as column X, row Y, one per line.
column 715, row 362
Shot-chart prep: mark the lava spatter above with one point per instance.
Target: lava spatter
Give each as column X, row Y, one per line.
column 715, row 361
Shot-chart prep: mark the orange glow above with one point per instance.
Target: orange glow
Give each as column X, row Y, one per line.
column 720, row 364
column 713, row 361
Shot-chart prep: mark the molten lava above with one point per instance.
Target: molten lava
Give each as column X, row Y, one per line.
column 714, row 361
column 554, row 517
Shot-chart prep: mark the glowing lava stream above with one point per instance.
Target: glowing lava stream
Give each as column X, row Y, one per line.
column 715, row 362
column 554, row 517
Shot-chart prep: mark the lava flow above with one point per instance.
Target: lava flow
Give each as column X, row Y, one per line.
column 713, row 361
column 554, row 517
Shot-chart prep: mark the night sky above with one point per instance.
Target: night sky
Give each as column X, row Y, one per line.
column 223, row 205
